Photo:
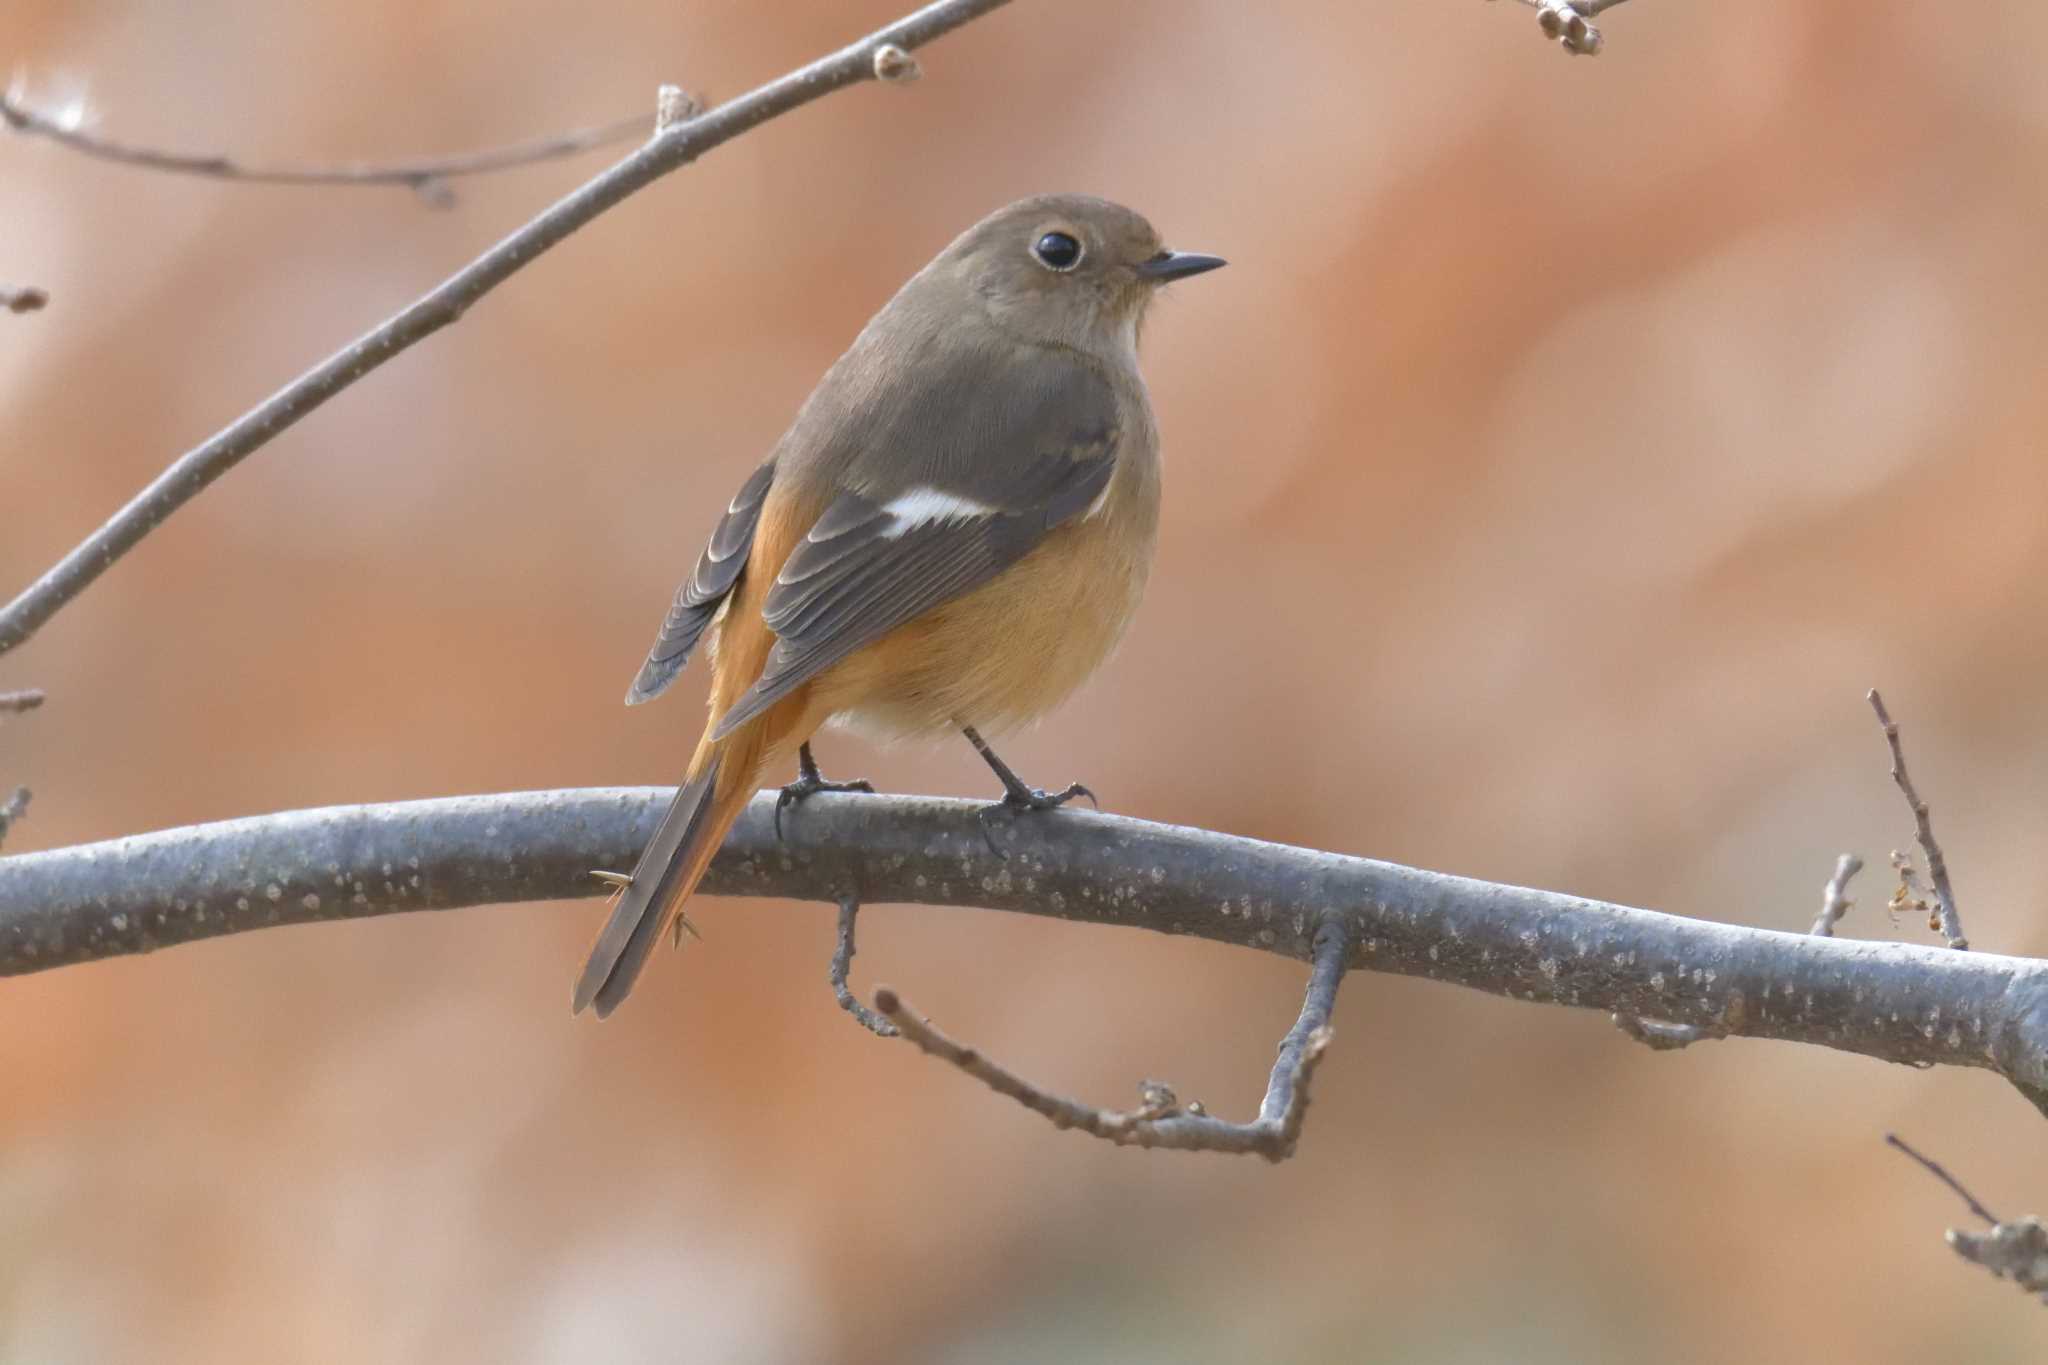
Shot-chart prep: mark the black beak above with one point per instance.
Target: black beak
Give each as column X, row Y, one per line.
column 1177, row 265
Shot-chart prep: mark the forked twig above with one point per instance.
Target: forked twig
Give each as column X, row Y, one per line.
column 1162, row 1119
column 2017, row 1251
column 675, row 146
column 1951, row 923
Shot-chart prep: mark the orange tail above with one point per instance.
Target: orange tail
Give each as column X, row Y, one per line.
column 721, row 782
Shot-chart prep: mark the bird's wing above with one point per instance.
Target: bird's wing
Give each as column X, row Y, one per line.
column 943, row 495
column 698, row 599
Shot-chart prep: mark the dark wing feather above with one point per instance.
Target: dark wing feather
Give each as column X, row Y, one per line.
column 860, row 573
column 697, row 600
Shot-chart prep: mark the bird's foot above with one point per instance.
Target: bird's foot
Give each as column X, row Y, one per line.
column 1019, row 799
column 809, row 782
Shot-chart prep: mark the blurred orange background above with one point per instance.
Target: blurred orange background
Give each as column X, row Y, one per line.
column 1568, row 446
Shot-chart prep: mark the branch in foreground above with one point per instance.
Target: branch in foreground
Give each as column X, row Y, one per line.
column 426, row 176
column 1900, row 1002
column 1570, row 23
column 2017, row 1250
column 1162, row 1120
column 1950, row 924
column 669, row 150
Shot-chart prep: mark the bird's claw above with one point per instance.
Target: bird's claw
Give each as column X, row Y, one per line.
column 810, row 784
column 1022, row 800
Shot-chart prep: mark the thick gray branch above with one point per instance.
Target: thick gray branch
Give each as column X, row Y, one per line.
column 673, row 147
column 1894, row 1001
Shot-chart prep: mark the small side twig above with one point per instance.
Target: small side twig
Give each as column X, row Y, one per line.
column 1949, row 922
column 24, row 298
column 1834, row 897
column 2017, row 1251
column 28, row 699
column 1162, row 1119
column 16, row 804
column 12, row 809
column 426, row 176
column 1570, row 23
column 842, row 963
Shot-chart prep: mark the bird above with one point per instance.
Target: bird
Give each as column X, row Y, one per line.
column 951, row 536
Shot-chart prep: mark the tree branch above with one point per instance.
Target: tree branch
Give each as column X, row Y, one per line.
column 668, row 150
column 1162, row 1120
column 16, row 804
column 12, row 809
column 426, row 176
column 2017, row 1251
column 1834, row 897
column 842, row 963
column 1894, row 1001
column 1949, row 922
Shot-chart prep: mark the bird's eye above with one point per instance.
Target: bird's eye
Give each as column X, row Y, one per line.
column 1057, row 251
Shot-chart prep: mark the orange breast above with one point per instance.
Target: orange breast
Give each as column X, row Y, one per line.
column 1014, row 648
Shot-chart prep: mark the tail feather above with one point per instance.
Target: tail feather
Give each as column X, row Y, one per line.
column 668, row 871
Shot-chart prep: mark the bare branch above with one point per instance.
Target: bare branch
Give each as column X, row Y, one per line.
column 1908, row 1003
column 1161, row 1119
column 16, row 804
column 12, row 809
column 426, row 176
column 28, row 699
column 667, row 151
column 842, row 963
column 1940, row 1172
column 1834, row 897
column 22, row 298
column 1951, row 924
column 2017, row 1250
column 1569, row 22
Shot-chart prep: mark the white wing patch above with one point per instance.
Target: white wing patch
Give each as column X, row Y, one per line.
column 922, row 506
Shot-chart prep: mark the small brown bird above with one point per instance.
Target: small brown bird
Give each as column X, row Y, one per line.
column 951, row 536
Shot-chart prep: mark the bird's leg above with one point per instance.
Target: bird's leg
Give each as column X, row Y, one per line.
column 809, row 782
column 1017, row 797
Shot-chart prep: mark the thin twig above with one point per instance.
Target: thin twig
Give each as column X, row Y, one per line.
column 426, row 176
column 1569, row 22
column 1951, row 923
column 12, row 809
column 1940, row 1172
column 2017, row 1251
column 28, row 699
column 1918, row 1005
column 842, row 963
column 670, row 150
column 22, row 298
column 1162, row 1120
column 16, row 804
column 1834, row 897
